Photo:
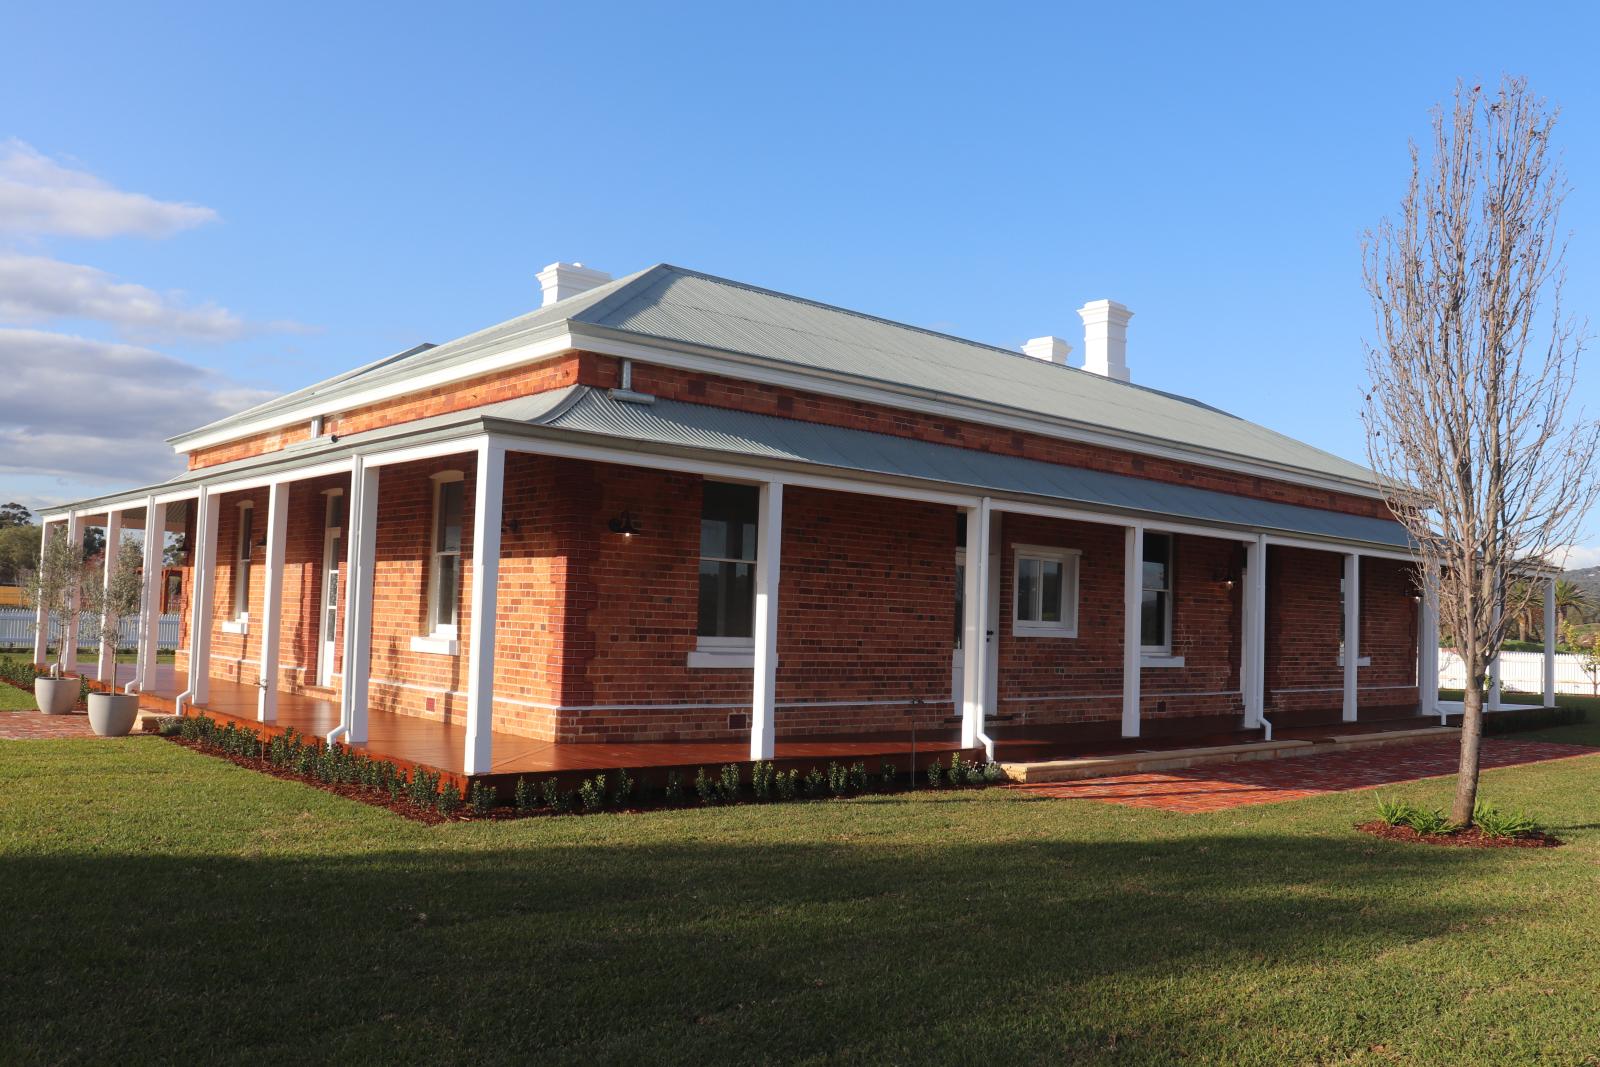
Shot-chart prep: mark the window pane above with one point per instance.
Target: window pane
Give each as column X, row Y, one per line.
column 727, row 599
column 1157, row 561
column 728, row 518
column 1153, row 619
column 1050, row 591
column 448, row 591
column 1027, row 590
column 449, row 533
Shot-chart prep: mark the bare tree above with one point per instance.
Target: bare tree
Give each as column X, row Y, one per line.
column 1470, row 379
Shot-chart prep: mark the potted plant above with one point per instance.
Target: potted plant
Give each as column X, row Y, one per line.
column 112, row 714
column 51, row 590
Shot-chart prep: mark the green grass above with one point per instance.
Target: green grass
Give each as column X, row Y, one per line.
column 163, row 905
column 14, row 699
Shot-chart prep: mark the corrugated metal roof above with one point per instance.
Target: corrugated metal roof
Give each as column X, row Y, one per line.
column 673, row 304
column 745, row 434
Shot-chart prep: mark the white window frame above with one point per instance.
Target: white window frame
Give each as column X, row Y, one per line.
column 1163, row 651
column 1069, row 559
column 242, row 564
column 725, row 652
column 441, row 638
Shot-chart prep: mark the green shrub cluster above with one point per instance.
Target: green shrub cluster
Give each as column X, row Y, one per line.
column 1510, row 722
column 1489, row 819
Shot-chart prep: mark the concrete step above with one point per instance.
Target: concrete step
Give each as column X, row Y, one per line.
column 1068, row 770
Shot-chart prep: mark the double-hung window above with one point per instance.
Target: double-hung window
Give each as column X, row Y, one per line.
column 1155, row 621
column 444, row 571
column 241, row 563
column 728, row 518
column 1046, row 592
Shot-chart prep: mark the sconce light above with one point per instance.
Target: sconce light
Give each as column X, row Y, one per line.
column 623, row 524
column 511, row 526
column 1225, row 578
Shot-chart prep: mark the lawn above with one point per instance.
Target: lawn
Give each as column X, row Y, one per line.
column 167, row 905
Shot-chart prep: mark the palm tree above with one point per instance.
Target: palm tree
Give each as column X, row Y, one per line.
column 1570, row 599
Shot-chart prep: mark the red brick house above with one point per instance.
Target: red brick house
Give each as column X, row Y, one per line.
column 673, row 509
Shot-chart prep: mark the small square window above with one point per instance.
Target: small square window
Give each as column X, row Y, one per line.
column 1045, row 603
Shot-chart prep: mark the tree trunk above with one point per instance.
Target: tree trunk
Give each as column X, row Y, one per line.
column 1471, row 742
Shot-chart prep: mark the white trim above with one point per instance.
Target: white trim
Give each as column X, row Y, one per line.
column 1159, row 660
column 1051, row 511
column 722, row 658
column 487, row 496
column 1070, row 560
column 435, row 645
column 293, row 474
column 764, row 637
column 1132, row 618
column 1284, row 541
column 240, row 626
column 1361, row 661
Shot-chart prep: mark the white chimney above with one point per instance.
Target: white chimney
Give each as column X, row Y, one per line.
column 1105, row 338
column 561, row 280
column 1049, row 349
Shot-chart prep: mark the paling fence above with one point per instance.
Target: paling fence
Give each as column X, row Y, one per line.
column 16, row 630
column 1521, row 672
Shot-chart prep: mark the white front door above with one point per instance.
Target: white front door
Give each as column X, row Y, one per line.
column 992, row 630
column 328, row 615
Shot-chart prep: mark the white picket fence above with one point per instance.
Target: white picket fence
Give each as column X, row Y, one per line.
column 16, row 630
column 1521, row 672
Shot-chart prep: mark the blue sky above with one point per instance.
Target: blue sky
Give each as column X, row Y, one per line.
column 358, row 182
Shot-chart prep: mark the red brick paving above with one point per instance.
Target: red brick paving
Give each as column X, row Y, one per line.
column 32, row 726
column 1233, row 785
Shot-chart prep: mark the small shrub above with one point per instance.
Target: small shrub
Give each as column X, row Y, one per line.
column 482, row 798
column 524, row 797
column 395, row 786
column 592, row 793
column 993, row 772
column 550, row 789
column 761, row 781
column 674, row 787
column 935, row 774
column 449, row 800
column 424, row 788
column 888, row 776
column 816, row 782
column 838, row 780
column 624, row 790
column 728, row 786
column 788, row 783
column 169, row 725
column 858, row 777
column 704, row 786
column 1496, row 823
column 1394, row 812
column 958, row 770
column 1427, row 821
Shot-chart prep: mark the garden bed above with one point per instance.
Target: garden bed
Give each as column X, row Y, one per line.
column 1470, row 837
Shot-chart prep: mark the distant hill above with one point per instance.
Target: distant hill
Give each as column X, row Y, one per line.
column 1587, row 579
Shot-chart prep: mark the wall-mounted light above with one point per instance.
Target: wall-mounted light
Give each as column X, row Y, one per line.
column 1225, row 578
column 623, row 524
column 510, row 526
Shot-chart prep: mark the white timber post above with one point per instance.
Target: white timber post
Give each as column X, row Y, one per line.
column 1352, row 635
column 1550, row 641
column 202, row 580
column 1428, row 643
column 1132, row 614
column 360, row 551
column 1252, row 668
column 272, row 601
column 68, row 657
column 155, row 539
column 487, row 502
column 975, row 628
column 1494, row 669
column 41, row 615
column 769, row 568
column 107, row 672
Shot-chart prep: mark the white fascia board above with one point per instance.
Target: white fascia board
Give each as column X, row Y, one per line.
column 1154, row 523
column 530, row 352
column 715, row 361
column 1341, row 547
column 380, row 457
column 298, row 474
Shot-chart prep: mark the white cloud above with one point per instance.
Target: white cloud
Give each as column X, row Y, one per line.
column 92, row 411
column 1580, row 556
column 37, row 289
column 41, row 196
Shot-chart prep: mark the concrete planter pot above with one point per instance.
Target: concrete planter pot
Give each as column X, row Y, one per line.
column 55, row 696
column 113, row 714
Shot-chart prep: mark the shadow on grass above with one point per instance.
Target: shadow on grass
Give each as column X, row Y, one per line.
column 870, row 950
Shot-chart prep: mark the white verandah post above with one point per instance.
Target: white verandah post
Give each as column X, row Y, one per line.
column 1252, row 667
column 360, row 551
column 202, row 579
column 41, row 617
column 107, row 669
column 1494, row 670
column 1352, row 634
column 155, row 535
column 1132, row 614
column 272, row 601
column 769, row 568
column 1428, row 644
column 68, row 657
column 487, row 506
column 975, row 628
column 1550, row 641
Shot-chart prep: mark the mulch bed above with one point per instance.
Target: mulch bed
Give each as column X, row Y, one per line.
column 1471, row 837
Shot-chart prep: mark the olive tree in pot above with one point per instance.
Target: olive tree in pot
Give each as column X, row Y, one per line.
column 52, row 589
column 111, row 713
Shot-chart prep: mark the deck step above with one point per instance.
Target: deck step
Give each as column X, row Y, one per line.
column 1067, row 770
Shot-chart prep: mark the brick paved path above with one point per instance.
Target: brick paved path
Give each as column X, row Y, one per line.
column 1232, row 785
column 32, row 726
